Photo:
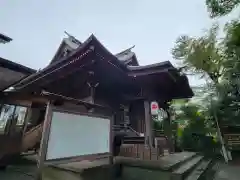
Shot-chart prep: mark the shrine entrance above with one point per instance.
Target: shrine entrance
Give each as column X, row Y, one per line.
column 92, row 81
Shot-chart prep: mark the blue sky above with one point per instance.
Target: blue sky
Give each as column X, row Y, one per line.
column 37, row 27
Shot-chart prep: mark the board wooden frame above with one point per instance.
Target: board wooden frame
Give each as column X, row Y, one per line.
column 46, row 133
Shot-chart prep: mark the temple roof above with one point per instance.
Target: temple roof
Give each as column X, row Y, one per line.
column 11, row 73
column 67, row 45
column 89, row 45
column 70, row 44
column 112, row 70
column 128, row 57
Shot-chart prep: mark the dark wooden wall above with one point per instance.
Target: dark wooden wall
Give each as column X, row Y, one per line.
column 137, row 116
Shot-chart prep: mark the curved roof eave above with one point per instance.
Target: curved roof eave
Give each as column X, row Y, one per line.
column 90, row 42
column 15, row 66
column 162, row 65
column 12, row 73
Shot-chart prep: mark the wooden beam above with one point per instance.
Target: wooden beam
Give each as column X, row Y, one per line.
column 24, row 100
column 144, row 73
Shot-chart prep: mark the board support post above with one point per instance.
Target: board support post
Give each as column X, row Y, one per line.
column 44, row 140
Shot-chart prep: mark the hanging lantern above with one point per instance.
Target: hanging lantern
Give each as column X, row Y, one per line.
column 154, row 108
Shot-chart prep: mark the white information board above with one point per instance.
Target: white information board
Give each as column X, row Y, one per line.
column 77, row 135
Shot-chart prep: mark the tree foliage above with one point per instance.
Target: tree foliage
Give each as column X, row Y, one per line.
column 200, row 55
column 219, row 61
column 218, row 8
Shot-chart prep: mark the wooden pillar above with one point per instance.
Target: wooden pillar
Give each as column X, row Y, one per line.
column 168, row 130
column 148, row 124
column 44, row 140
column 26, row 120
column 126, row 120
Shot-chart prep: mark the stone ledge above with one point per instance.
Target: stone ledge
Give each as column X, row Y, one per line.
column 165, row 163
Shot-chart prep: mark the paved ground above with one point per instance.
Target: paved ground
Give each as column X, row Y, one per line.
column 18, row 173
column 229, row 171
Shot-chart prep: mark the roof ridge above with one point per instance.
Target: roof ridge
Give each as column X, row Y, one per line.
column 75, row 40
column 126, row 50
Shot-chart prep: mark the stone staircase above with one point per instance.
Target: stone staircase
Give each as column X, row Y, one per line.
column 178, row 166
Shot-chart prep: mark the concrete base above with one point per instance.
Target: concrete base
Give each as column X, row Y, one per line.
column 96, row 173
column 177, row 166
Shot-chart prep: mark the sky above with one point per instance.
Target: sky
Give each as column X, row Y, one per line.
column 37, row 27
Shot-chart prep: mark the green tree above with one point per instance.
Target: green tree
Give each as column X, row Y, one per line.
column 218, row 8
column 217, row 61
column 213, row 59
column 202, row 55
column 229, row 88
column 157, row 125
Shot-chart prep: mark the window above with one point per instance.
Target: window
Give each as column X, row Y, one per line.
column 20, row 113
column 9, row 113
column 6, row 114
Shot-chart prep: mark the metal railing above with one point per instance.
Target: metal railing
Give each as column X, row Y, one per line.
column 126, row 129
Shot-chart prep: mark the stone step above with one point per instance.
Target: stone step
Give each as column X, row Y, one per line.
column 166, row 163
column 177, row 159
column 183, row 170
column 199, row 171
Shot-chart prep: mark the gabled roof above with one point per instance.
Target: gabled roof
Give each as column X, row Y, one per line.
column 70, row 44
column 72, row 57
column 67, row 45
column 163, row 73
column 128, row 57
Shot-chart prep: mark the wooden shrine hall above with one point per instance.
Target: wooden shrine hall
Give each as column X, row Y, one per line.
column 88, row 72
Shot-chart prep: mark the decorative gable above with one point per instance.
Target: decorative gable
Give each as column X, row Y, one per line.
column 70, row 44
column 128, row 57
column 67, row 45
